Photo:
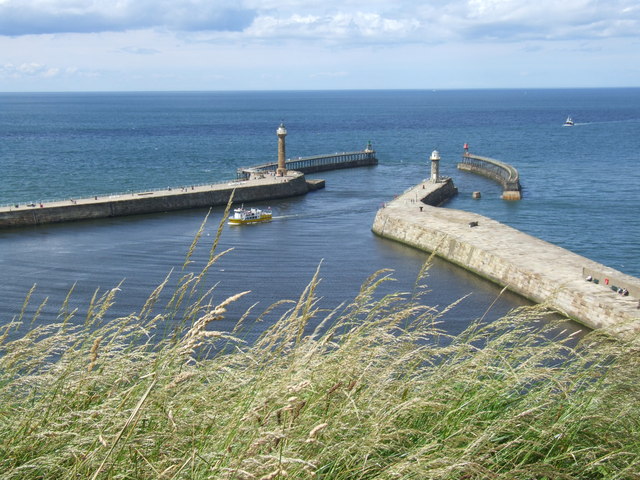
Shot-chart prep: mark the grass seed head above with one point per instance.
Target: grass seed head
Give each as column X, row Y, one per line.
column 93, row 353
column 314, row 432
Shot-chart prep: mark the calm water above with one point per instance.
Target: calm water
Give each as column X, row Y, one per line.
column 581, row 187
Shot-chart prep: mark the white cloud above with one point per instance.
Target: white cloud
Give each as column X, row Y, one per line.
column 32, row 69
column 340, row 27
column 550, row 19
column 29, row 68
column 24, row 17
column 330, row 21
column 51, row 72
column 254, row 44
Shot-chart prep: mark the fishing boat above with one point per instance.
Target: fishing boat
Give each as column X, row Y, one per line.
column 244, row 216
column 568, row 122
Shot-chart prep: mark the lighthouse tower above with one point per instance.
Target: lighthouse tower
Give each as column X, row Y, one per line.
column 282, row 169
column 435, row 167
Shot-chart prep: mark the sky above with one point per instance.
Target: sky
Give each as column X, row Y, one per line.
column 184, row 45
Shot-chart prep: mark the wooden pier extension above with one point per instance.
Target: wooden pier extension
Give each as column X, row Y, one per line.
column 499, row 171
column 317, row 163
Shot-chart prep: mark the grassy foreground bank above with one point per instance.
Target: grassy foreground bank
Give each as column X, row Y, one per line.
column 376, row 390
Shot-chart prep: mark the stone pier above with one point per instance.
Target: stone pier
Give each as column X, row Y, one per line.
column 260, row 188
column 533, row 268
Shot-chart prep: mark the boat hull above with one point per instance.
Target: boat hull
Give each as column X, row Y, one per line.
column 236, row 221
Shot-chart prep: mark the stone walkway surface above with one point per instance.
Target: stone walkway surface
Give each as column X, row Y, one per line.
column 261, row 188
column 268, row 179
column 527, row 265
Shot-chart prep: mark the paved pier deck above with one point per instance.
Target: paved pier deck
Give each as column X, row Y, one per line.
column 533, row 268
column 260, row 188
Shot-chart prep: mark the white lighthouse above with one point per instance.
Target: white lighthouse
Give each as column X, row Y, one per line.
column 282, row 169
column 435, row 167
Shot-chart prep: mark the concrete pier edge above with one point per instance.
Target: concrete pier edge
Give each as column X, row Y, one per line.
column 267, row 187
column 529, row 266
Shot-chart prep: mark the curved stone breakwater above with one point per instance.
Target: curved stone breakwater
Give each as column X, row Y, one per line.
column 267, row 187
column 501, row 172
column 533, row 268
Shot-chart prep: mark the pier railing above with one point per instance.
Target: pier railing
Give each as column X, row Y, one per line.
column 317, row 163
column 502, row 172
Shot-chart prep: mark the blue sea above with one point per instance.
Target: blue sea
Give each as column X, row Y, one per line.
column 581, row 188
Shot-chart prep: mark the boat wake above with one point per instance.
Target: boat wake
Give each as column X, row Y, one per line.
column 630, row 120
column 326, row 212
column 284, row 217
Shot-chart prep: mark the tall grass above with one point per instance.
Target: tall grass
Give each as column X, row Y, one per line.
column 372, row 389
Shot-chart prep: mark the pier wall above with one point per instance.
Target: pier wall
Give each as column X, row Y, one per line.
column 468, row 167
column 317, row 163
column 253, row 184
column 533, row 268
column 501, row 172
column 156, row 201
column 363, row 162
column 436, row 194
